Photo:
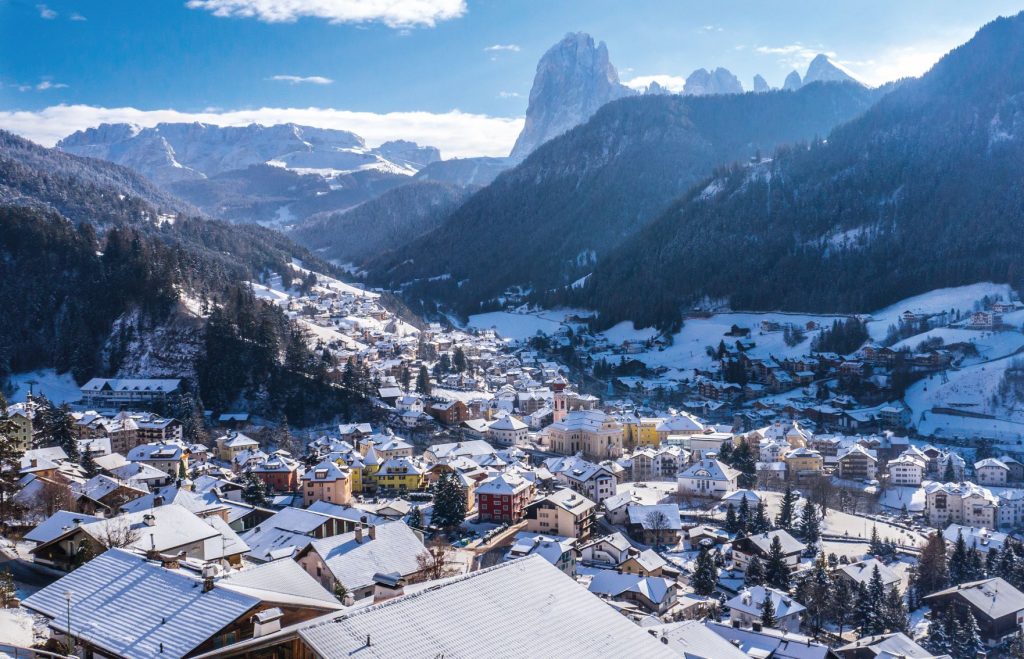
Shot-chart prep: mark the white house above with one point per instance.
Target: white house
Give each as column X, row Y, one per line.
column 991, row 471
column 906, row 470
column 508, row 431
column 745, row 608
column 708, row 478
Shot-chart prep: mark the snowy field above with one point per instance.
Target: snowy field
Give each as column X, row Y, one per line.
column 970, row 389
column 58, row 388
column 521, row 326
column 937, row 301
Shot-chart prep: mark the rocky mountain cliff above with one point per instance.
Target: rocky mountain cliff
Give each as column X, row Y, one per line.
column 719, row 81
column 574, row 79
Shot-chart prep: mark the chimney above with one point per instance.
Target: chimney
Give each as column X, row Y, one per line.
column 158, row 501
column 149, row 520
column 387, row 586
column 359, row 534
column 266, row 622
column 373, row 532
column 756, row 626
column 209, row 572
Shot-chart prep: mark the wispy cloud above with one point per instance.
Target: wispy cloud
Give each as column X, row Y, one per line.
column 509, row 94
column 48, row 84
column 498, row 47
column 711, row 28
column 674, row 84
column 795, row 55
column 77, row 17
column 393, row 13
column 46, row 13
column 456, row 133
column 296, row 80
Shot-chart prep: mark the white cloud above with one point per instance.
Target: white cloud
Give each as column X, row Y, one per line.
column 509, row 94
column 46, row 13
column 393, row 13
column 711, row 28
column 795, row 55
column 674, row 84
column 313, row 80
column 510, row 47
column 47, row 84
column 456, row 133
column 77, row 17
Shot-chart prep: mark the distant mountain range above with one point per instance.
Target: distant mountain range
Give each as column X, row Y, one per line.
column 923, row 191
column 546, row 222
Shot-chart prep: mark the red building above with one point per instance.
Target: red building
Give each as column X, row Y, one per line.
column 504, row 498
column 280, row 473
column 450, row 413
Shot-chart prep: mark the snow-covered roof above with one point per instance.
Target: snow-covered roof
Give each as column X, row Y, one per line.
column 281, row 582
column 993, row 597
column 711, row 470
column 861, row 572
column 57, row 524
column 549, row 547
column 495, row 605
column 131, row 384
column 750, row 601
column 614, row 584
column 642, row 515
column 692, row 640
column 991, row 462
column 354, row 562
column 130, row 607
column 505, row 484
column 790, row 545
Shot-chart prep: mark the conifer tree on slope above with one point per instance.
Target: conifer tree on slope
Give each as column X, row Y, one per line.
column 768, row 611
column 776, row 571
column 785, row 517
column 705, row 575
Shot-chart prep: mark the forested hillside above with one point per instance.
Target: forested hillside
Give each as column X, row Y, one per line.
column 382, row 224
column 69, row 282
column 546, row 222
column 923, row 191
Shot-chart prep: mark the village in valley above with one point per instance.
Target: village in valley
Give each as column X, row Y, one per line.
column 755, row 485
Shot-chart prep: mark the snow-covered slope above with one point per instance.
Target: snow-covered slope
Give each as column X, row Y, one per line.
column 172, row 152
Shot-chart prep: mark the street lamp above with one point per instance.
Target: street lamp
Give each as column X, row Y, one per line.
column 67, row 596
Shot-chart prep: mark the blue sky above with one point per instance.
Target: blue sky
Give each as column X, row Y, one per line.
column 420, row 69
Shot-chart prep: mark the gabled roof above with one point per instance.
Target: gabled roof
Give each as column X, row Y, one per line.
column 763, row 541
column 896, row 645
column 692, row 640
column 614, row 584
column 281, row 582
column 711, row 469
column 495, row 605
column 641, row 515
column 353, row 563
column 750, row 601
column 994, row 598
column 56, row 525
column 131, row 607
column 861, row 572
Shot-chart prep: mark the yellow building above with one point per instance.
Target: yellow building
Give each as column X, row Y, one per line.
column 803, row 463
column 593, row 433
column 401, row 475
column 18, row 427
column 647, row 431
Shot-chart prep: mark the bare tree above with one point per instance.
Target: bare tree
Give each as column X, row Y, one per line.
column 53, row 496
column 657, row 523
column 117, row 532
column 434, row 562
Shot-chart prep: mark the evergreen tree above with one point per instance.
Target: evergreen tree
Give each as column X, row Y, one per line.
column 815, row 593
column 731, row 524
column 10, row 464
column 875, row 624
column 959, row 562
column 839, row 604
column 785, row 518
column 744, row 462
column 459, row 362
column 705, row 574
column 991, row 563
column 864, row 611
column 256, row 491
column 423, row 381
column 949, row 475
column 743, row 517
column 754, row 576
column 875, row 546
column 967, row 644
column 933, row 570
column 725, row 453
column 768, row 611
column 810, row 526
column 895, row 612
column 416, row 518
column 776, row 572
column 88, row 462
column 760, row 522
column 61, row 431
column 937, row 642
column 405, row 378
column 449, row 503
